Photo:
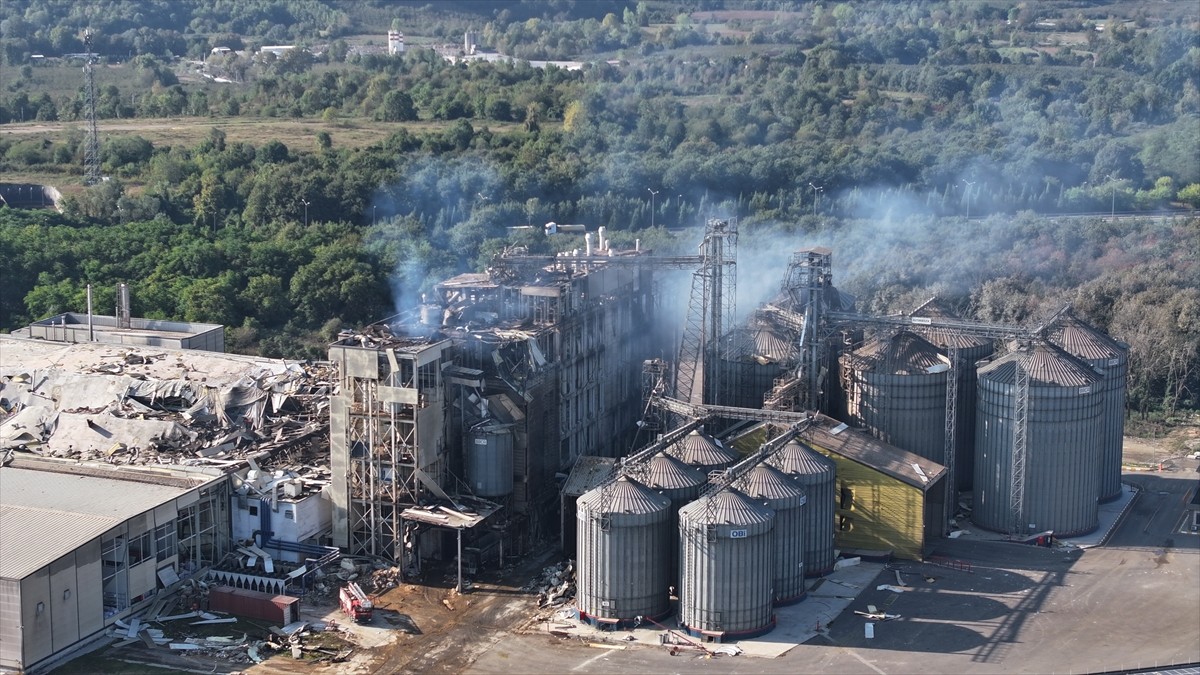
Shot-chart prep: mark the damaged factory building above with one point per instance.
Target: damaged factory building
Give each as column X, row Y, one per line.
column 454, row 424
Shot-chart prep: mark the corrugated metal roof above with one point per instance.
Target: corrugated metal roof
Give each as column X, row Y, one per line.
column 45, row 515
column 1080, row 339
column 589, row 471
column 903, row 353
column 767, row 344
column 767, row 482
column 873, row 452
column 1047, row 364
column 624, row 495
column 798, row 459
column 936, row 308
column 727, row 507
column 667, row 473
column 700, row 449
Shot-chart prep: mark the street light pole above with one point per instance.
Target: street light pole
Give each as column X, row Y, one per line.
column 969, row 184
column 653, row 194
column 1113, row 207
column 305, row 202
column 817, row 190
column 374, row 220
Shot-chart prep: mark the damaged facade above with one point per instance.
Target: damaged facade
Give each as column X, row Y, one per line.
column 486, row 396
column 130, row 472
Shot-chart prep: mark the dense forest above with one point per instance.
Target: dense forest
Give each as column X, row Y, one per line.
column 1010, row 158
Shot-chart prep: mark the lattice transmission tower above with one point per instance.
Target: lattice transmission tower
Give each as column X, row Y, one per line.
column 91, row 144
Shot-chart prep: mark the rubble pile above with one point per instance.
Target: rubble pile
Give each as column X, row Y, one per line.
column 386, row 578
column 193, row 408
column 555, row 586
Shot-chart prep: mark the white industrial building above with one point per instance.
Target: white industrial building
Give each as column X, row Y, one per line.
column 83, row 547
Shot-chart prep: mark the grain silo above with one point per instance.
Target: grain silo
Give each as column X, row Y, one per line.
column 1111, row 358
column 704, row 452
column 681, row 483
column 896, row 388
column 816, row 474
column 752, row 360
column 969, row 348
column 623, row 544
column 781, row 493
column 1062, row 422
column 728, row 567
column 489, row 460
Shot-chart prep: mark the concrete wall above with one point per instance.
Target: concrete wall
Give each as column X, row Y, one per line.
column 29, row 196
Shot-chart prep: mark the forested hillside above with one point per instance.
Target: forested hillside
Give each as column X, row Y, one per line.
column 937, row 146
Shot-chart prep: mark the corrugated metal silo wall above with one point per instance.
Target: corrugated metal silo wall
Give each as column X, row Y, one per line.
column 622, row 566
column 727, row 582
column 1112, row 433
column 679, row 497
column 964, row 419
column 490, row 462
column 1062, row 484
column 907, row 411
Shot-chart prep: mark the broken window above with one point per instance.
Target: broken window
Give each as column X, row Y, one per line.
column 115, row 579
column 847, row 500
column 164, row 541
column 141, row 547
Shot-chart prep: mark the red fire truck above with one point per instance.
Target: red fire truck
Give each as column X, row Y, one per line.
column 355, row 603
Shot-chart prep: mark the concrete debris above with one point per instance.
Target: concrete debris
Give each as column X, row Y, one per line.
column 383, row 579
column 894, row 589
column 846, row 562
column 728, row 650
column 555, row 586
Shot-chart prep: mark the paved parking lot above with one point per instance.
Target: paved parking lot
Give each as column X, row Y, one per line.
column 1132, row 603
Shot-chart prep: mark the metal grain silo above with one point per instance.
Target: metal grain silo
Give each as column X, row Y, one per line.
column 782, row 493
column 896, row 389
column 681, row 483
column 1063, row 407
column 1111, row 358
column 623, row 547
column 489, row 460
column 728, row 567
column 816, row 475
column 752, row 359
column 970, row 348
column 704, row 452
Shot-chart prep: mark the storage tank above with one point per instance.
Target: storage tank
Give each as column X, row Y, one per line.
column 781, row 493
column 704, row 452
column 1111, row 358
column 816, row 475
column 624, row 544
column 681, row 483
column 1063, row 408
column 896, row 388
column 971, row 348
column 728, row 567
column 489, row 460
column 753, row 358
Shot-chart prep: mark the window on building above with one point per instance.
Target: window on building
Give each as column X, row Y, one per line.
column 141, row 547
column 253, row 509
column 847, row 500
column 845, row 524
column 289, row 514
column 115, row 574
column 164, row 541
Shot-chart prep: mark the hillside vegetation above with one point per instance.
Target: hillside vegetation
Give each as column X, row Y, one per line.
column 936, row 145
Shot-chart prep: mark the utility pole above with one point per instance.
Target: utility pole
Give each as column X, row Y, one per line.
column 969, row 184
column 305, row 202
column 653, row 194
column 817, row 190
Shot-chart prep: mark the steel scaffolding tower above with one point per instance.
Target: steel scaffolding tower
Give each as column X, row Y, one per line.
column 91, row 144
column 711, row 303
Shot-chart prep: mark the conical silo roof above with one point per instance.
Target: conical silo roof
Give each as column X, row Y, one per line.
column 1078, row 338
column 796, row 459
column 727, row 507
column 1045, row 363
column 624, row 495
column 667, row 473
column 700, row 449
column 936, row 308
column 903, row 353
column 769, row 345
column 767, row 482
